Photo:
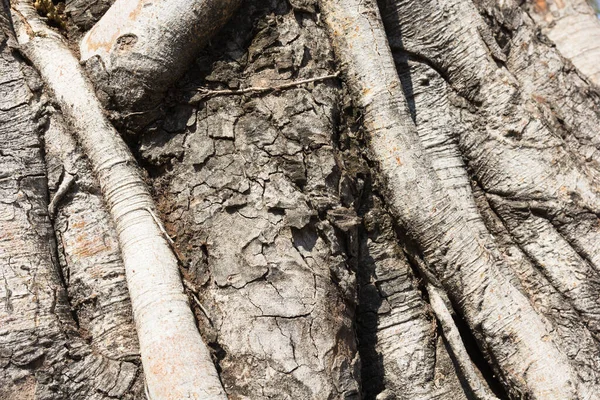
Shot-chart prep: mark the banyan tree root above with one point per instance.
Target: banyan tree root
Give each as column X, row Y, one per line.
column 551, row 256
column 176, row 362
column 521, row 342
column 139, row 48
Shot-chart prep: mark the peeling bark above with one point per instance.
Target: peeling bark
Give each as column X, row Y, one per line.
column 251, row 198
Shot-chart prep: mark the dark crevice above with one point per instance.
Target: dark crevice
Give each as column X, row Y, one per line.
column 468, row 339
column 219, row 354
column 478, row 358
column 372, row 371
column 359, row 197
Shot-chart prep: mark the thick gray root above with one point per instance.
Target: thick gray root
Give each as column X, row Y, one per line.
column 403, row 354
column 138, row 49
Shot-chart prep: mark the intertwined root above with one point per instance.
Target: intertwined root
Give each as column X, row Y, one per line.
column 487, row 155
column 176, row 362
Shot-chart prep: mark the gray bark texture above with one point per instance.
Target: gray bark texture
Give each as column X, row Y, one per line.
column 419, row 221
column 575, row 29
column 54, row 344
column 85, row 13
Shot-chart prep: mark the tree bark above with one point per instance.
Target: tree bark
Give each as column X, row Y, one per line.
column 177, row 363
column 575, row 29
column 85, row 13
column 318, row 264
column 43, row 350
column 138, row 49
column 253, row 204
column 464, row 260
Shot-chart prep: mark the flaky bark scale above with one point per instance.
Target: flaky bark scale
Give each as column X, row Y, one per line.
column 176, row 362
column 248, row 200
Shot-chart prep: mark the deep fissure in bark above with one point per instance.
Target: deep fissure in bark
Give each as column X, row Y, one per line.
column 478, row 358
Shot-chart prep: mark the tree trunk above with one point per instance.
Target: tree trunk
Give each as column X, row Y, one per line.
column 425, row 225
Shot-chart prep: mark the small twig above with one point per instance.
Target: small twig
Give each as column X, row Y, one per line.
column 147, row 392
column 186, row 283
column 63, row 188
column 192, row 289
column 134, row 113
column 259, row 89
column 160, row 226
column 457, row 347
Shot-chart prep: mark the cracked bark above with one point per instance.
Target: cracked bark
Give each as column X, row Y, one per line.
column 309, row 284
column 575, row 29
column 250, row 201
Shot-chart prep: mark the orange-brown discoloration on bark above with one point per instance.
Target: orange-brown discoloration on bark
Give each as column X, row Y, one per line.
column 85, row 243
column 24, row 389
column 95, row 45
column 87, row 246
column 6, row 235
column 103, row 44
column 78, row 225
column 541, row 6
column 539, row 99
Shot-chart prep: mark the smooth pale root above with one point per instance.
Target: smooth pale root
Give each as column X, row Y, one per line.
column 575, row 29
column 177, row 364
column 146, row 45
column 508, row 329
